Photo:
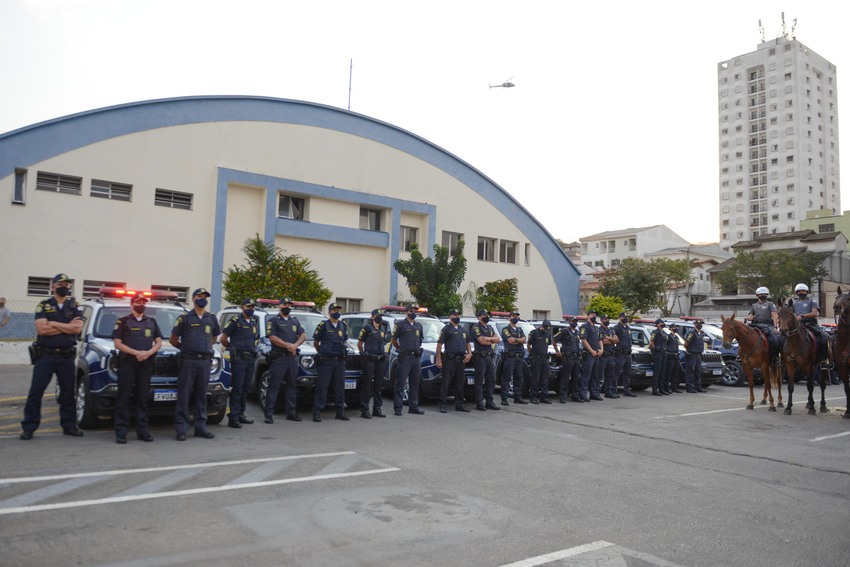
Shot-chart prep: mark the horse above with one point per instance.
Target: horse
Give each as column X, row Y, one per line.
column 754, row 352
column 840, row 347
column 800, row 351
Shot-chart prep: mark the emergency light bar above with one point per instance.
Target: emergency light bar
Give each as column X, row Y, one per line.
column 402, row 308
column 269, row 302
column 121, row 293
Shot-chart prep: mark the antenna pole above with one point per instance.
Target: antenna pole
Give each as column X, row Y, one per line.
column 350, row 72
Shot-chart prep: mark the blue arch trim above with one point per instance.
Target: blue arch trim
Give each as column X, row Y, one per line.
column 32, row 144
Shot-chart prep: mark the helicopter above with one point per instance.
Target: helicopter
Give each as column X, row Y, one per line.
column 507, row 84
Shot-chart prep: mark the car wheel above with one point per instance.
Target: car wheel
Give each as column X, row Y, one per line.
column 734, row 374
column 216, row 418
column 86, row 417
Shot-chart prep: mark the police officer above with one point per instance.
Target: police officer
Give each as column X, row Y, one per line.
column 606, row 362
column 453, row 352
column 330, row 339
column 589, row 336
column 58, row 321
column 194, row 333
column 241, row 335
column 694, row 346
column 623, row 358
column 673, row 374
column 514, row 359
column 570, row 355
column 372, row 344
column 407, row 339
column 137, row 338
column 539, row 340
column 763, row 315
column 485, row 341
column 807, row 311
column 658, row 347
column 285, row 334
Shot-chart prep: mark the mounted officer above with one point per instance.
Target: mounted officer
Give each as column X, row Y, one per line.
column 807, row 311
column 763, row 317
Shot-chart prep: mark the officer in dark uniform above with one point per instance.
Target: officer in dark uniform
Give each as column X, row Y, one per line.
column 407, row 339
column 241, row 335
column 513, row 366
column 194, row 333
column 453, row 353
column 658, row 347
column 485, row 340
column 807, row 311
column 372, row 344
column 623, row 358
column 694, row 346
column 606, row 362
column 538, row 352
column 58, row 321
column 285, row 334
column 137, row 338
column 589, row 336
column 330, row 339
column 673, row 375
column 570, row 355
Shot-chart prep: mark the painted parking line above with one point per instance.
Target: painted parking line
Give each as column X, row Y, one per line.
column 757, row 406
column 562, row 554
column 593, row 555
column 831, row 436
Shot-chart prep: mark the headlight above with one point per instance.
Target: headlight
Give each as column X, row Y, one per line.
column 216, row 365
column 307, row 361
column 112, row 361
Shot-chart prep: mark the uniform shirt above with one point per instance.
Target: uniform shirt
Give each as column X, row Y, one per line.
column 137, row 334
column 408, row 335
column 374, row 340
column 607, row 332
column 804, row 307
column 673, row 343
column 331, row 338
column 515, row 332
column 242, row 333
column 481, row 330
column 590, row 333
column 196, row 332
column 569, row 340
column 50, row 310
column 624, row 333
column 761, row 312
column 538, row 342
column 288, row 330
column 453, row 339
column 658, row 339
column 694, row 342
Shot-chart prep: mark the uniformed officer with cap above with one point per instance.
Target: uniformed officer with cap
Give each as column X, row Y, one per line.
column 623, row 357
column 453, row 353
column 286, row 334
column 513, row 366
column 570, row 354
column 485, row 340
column 673, row 375
column 194, row 333
column 407, row 339
column 241, row 335
column 372, row 344
column 694, row 347
column 539, row 340
column 658, row 347
column 329, row 339
column 137, row 338
column 589, row 336
column 58, row 321
column 606, row 362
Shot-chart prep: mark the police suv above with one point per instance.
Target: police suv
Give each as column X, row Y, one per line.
column 305, row 384
column 97, row 359
column 713, row 367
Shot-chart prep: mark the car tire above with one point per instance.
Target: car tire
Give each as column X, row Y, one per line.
column 86, row 416
column 216, row 418
column 734, row 374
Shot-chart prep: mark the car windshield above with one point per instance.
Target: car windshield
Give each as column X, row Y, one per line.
column 430, row 329
column 309, row 321
column 106, row 318
column 713, row 332
column 524, row 325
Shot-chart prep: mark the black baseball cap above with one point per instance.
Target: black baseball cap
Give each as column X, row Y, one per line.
column 454, row 312
column 660, row 321
column 592, row 310
column 285, row 300
column 377, row 312
column 333, row 306
column 411, row 307
column 61, row 278
column 201, row 291
column 546, row 323
column 482, row 312
column 247, row 302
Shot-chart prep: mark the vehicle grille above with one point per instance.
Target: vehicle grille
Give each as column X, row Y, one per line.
column 642, row 358
column 165, row 366
column 712, row 357
column 352, row 362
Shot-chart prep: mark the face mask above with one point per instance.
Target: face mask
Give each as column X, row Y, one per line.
column 623, row 320
column 485, row 319
column 63, row 291
column 140, row 309
column 285, row 310
column 604, row 323
column 762, row 298
column 335, row 315
column 248, row 312
column 411, row 316
column 698, row 327
column 573, row 325
column 202, row 302
column 455, row 320
column 514, row 320
column 593, row 319
column 378, row 319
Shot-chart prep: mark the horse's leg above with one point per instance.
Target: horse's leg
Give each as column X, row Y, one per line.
column 748, row 371
column 824, row 376
column 768, row 392
column 776, row 376
column 846, row 380
column 790, row 371
column 810, row 386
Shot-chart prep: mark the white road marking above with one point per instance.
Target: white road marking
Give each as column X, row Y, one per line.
column 756, row 406
column 564, row 553
column 831, row 436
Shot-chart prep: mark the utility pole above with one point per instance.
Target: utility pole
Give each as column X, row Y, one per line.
column 350, row 72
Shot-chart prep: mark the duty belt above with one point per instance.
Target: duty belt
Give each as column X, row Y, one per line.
column 483, row 353
column 571, row 354
column 410, row 352
column 538, row 356
column 374, row 357
column 454, row 355
column 61, row 352
column 513, row 354
column 331, row 357
column 243, row 354
column 195, row 356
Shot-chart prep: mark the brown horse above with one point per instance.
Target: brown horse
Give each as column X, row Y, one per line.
column 800, row 351
column 754, row 353
column 841, row 346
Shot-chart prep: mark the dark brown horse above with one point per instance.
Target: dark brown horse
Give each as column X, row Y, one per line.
column 841, row 346
column 754, row 353
column 800, row 351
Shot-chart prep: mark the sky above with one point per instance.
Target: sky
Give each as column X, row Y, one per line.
column 612, row 124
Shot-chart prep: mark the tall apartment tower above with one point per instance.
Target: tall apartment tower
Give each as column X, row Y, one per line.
column 778, row 123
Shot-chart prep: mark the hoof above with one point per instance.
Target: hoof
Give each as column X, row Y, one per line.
column 780, row 405
column 763, row 403
column 823, row 409
column 750, row 406
column 771, row 408
column 812, row 411
column 810, row 405
column 787, row 411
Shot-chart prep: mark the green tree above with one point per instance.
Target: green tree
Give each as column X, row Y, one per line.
column 499, row 295
column 606, row 305
column 638, row 283
column 778, row 270
column 272, row 274
column 434, row 283
column 676, row 276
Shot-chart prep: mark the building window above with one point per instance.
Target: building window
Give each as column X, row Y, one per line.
column 508, row 251
column 450, row 240
column 91, row 288
column 182, row 292
column 59, row 183
column 527, row 254
column 486, row 249
column 408, row 237
column 173, row 199
column 370, row 219
column 39, row 286
column 109, row 190
column 615, row 262
column 20, row 186
column 289, row 207
column 599, row 264
column 539, row 314
column 349, row 305
column 826, row 227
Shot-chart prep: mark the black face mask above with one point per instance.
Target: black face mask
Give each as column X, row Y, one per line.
column 485, row 319
column 593, row 319
column 455, row 320
column 285, row 310
column 140, row 309
column 378, row 319
column 573, row 325
column 514, row 320
column 63, row 291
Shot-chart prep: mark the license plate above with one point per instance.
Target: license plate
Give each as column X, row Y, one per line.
column 165, row 395
column 351, row 384
column 470, row 381
column 717, row 372
column 649, row 372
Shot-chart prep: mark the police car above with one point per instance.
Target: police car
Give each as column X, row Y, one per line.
column 713, row 367
column 305, row 383
column 97, row 358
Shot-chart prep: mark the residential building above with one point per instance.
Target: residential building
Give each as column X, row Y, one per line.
column 608, row 249
column 825, row 221
column 703, row 257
